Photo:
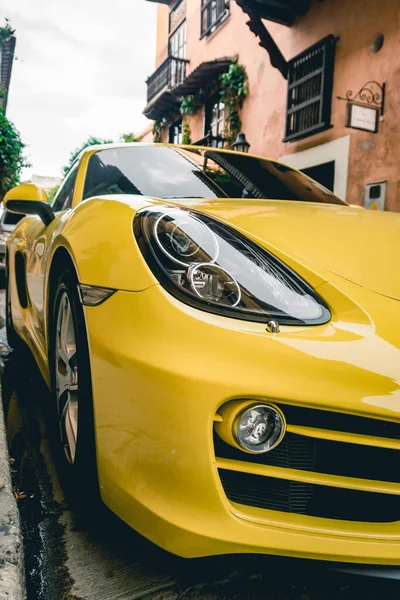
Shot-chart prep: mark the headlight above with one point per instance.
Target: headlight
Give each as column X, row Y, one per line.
column 211, row 266
column 259, row 428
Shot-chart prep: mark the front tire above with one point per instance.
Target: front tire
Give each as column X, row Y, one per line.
column 72, row 393
column 13, row 338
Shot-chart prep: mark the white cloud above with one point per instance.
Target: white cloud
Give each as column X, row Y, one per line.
column 80, row 70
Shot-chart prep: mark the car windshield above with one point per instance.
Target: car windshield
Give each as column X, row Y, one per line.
column 174, row 172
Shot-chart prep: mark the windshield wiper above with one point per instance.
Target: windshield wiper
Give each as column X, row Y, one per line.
column 180, row 197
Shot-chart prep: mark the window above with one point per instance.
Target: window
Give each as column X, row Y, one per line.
column 310, row 82
column 214, row 123
column 162, row 172
column 177, row 42
column 177, row 49
column 63, row 198
column 213, row 14
column 175, row 133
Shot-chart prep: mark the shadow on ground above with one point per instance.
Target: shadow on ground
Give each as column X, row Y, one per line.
column 96, row 556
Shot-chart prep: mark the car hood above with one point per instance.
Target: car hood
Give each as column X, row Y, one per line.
column 359, row 245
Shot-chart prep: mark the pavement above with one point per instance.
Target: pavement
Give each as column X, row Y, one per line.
column 73, row 556
column 12, row 577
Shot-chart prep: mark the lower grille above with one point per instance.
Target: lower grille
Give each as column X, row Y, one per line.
column 313, row 454
column 309, row 499
column 322, row 456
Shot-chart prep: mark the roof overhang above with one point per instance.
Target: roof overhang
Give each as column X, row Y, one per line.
column 284, row 12
column 164, row 104
column 203, row 75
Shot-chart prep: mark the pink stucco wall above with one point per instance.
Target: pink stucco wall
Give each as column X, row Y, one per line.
column 372, row 156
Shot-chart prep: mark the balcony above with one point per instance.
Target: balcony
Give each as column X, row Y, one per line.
column 161, row 99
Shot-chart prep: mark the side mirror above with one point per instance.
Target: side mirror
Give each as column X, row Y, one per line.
column 29, row 199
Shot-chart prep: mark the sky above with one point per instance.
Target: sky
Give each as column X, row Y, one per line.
column 80, row 70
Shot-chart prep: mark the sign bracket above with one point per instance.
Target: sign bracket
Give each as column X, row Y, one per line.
column 372, row 94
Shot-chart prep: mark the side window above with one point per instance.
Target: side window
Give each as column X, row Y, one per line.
column 63, row 198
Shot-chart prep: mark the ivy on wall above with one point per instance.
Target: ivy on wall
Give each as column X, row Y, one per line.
column 187, row 108
column 234, row 91
column 157, row 131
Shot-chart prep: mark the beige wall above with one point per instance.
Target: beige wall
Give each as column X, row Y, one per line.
column 373, row 157
column 162, row 34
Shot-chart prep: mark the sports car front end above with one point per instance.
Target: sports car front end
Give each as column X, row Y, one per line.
column 236, row 360
column 217, row 433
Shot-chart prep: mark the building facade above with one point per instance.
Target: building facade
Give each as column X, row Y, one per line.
column 7, row 47
column 323, row 85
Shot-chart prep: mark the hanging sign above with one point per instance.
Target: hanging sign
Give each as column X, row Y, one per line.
column 361, row 117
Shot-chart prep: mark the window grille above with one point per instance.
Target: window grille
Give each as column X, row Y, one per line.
column 310, row 82
column 213, row 14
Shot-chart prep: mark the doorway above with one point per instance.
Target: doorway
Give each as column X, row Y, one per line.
column 327, row 163
column 324, row 174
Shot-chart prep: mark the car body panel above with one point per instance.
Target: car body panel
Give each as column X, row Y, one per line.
column 156, row 434
column 162, row 369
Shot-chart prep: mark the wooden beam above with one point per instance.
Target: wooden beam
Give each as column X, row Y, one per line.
column 256, row 25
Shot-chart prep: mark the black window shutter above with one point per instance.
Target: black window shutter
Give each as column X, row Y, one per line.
column 310, row 83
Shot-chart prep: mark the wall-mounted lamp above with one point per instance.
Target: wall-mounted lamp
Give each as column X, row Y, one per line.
column 241, row 144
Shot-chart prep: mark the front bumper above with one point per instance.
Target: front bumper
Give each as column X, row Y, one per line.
column 160, row 372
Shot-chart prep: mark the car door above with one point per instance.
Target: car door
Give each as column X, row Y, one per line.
column 37, row 252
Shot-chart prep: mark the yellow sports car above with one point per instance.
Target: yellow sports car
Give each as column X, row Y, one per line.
column 221, row 335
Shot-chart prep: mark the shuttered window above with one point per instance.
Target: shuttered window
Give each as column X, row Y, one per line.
column 213, row 14
column 310, row 83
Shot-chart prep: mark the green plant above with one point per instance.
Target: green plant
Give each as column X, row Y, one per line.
column 52, row 192
column 129, row 137
column 6, row 32
column 157, row 131
column 91, row 141
column 234, row 91
column 12, row 160
column 186, row 137
column 187, row 106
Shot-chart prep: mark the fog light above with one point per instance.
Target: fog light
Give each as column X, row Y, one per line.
column 259, row 428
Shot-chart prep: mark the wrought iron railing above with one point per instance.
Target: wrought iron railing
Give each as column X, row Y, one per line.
column 213, row 141
column 170, row 74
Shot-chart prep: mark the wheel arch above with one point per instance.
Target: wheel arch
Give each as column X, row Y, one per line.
column 61, row 261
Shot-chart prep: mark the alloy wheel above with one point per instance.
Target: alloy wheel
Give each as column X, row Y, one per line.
column 66, row 378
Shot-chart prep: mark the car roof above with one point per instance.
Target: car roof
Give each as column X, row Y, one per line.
column 98, row 147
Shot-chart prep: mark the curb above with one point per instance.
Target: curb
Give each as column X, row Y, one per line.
column 12, row 574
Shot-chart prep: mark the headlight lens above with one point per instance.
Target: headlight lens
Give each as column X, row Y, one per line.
column 213, row 267
column 259, row 428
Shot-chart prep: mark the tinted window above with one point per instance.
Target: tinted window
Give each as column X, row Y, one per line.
column 162, row 172
column 64, row 196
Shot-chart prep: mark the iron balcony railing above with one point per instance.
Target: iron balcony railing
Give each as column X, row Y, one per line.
column 170, row 74
column 213, row 141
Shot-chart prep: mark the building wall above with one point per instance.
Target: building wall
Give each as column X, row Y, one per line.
column 372, row 157
column 162, row 34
